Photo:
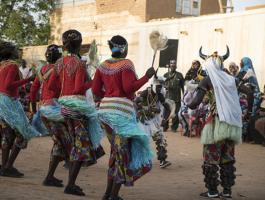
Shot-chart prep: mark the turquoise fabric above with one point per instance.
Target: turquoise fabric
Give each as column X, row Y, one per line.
column 38, row 124
column 51, row 112
column 80, row 105
column 11, row 111
column 125, row 126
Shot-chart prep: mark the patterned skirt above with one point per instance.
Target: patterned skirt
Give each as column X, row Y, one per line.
column 49, row 115
column 119, row 162
column 62, row 140
column 86, row 144
column 10, row 137
column 131, row 156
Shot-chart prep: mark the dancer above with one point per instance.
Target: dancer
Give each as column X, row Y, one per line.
column 49, row 113
column 223, row 127
column 116, row 82
column 152, row 111
column 15, row 127
column 81, row 117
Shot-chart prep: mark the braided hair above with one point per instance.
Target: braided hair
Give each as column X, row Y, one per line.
column 8, row 51
column 53, row 53
column 72, row 40
column 118, row 46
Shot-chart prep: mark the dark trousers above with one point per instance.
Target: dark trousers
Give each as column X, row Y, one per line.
column 175, row 120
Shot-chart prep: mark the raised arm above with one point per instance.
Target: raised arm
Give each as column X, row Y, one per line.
column 130, row 83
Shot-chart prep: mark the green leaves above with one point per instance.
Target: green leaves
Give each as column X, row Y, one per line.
column 25, row 22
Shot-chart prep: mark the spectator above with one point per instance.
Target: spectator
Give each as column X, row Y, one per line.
column 26, row 71
column 193, row 71
column 233, row 69
column 175, row 85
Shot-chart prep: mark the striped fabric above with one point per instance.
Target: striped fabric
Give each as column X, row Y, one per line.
column 118, row 105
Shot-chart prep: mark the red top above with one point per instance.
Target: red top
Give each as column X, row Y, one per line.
column 69, row 77
column 10, row 78
column 118, row 79
column 41, row 81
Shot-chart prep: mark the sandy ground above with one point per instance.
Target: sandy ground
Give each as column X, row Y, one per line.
column 181, row 181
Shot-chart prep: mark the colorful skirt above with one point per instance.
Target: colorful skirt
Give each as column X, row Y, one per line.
column 79, row 108
column 11, row 111
column 51, row 118
column 215, row 131
column 84, row 127
column 131, row 155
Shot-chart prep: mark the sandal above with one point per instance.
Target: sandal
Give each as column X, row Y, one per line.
column 56, row 179
column 52, row 183
column 11, row 172
column 74, row 191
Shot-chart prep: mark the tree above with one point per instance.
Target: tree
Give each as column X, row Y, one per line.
column 25, row 22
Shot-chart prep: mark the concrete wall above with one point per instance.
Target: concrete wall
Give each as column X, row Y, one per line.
column 243, row 32
column 211, row 6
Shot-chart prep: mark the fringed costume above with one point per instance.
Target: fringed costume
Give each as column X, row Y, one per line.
column 152, row 112
column 11, row 110
column 223, row 127
column 49, row 113
column 130, row 152
column 15, row 127
column 80, row 117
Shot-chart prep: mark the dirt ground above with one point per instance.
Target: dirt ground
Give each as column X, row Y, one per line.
column 181, row 181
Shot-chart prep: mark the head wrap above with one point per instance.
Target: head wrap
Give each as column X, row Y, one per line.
column 118, row 45
column 250, row 72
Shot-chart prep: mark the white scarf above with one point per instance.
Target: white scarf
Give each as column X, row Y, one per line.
column 225, row 91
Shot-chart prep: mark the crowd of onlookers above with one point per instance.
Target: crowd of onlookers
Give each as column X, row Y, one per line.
column 252, row 99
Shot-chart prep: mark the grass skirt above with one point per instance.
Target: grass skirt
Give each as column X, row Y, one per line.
column 216, row 131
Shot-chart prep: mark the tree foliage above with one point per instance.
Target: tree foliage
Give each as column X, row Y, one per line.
column 25, row 22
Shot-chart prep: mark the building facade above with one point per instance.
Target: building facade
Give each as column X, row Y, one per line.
column 243, row 32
